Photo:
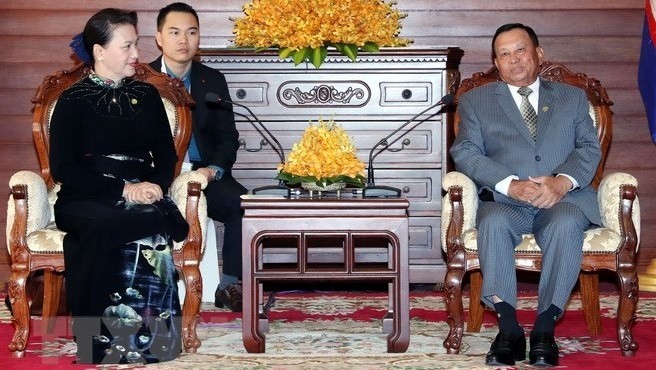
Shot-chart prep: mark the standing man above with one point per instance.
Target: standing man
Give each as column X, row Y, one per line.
column 532, row 150
column 214, row 141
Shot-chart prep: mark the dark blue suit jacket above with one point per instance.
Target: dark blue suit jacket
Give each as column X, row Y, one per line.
column 213, row 124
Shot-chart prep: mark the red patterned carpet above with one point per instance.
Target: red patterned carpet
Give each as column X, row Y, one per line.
column 338, row 330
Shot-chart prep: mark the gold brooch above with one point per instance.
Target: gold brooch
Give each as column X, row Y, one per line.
column 134, row 101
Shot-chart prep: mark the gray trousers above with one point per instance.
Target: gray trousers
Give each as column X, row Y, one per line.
column 559, row 234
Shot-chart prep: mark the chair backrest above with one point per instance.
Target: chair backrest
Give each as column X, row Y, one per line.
column 175, row 97
column 552, row 71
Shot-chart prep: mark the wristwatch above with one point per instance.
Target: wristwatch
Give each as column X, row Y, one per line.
column 218, row 172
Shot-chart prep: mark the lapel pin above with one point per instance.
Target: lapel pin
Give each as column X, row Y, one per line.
column 545, row 109
column 133, row 101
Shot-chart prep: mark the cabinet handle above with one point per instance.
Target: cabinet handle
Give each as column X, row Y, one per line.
column 404, row 143
column 263, row 143
column 241, row 93
column 406, row 189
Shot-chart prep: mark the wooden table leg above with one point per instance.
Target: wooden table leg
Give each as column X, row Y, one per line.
column 263, row 319
column 388, row 319
column 254, row 340
column 399, row 338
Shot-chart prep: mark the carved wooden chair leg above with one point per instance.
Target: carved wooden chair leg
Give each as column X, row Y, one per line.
column 476, row 307
column 21, row 311
column 589, row 283
column 191, row 307
column 626, row 311
column 454, row 309
column 52, row 284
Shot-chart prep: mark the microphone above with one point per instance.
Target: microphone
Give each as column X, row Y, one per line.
column 281, row 189
column 371, row 190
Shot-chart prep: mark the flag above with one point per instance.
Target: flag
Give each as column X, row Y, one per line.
column 647, row 66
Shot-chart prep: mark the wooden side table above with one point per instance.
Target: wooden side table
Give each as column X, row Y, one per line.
column 334, row 239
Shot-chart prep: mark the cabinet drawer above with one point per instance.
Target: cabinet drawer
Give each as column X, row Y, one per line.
column 398, row 94
column 425, row 247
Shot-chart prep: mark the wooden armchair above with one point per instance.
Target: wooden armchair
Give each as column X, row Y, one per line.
column 612, row 247
column 35, row 243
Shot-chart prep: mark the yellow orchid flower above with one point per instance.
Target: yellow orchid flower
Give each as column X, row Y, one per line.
column 325, row 154
column 293, row 25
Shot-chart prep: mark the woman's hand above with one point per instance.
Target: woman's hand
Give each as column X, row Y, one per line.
column 142, row 192
column 207, row 172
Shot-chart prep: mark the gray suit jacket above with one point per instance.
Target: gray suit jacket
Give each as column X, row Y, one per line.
column 493, row 141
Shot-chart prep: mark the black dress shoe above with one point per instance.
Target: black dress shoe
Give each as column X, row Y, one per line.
column 229, row 297
column 506, row 349
column 544, row 351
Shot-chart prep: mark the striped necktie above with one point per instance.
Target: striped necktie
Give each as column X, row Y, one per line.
column 528, row 113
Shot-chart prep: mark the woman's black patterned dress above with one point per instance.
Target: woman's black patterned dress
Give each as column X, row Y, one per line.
column 120, row 277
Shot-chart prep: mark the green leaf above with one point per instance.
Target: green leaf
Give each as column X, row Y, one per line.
column 318, row 56
column 357, row 181
column 301, row 55
column 292, row 179
column 284, row 53
column 370, row 47
column 351, row 51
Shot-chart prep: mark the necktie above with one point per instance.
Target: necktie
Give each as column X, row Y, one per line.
column 528, row 113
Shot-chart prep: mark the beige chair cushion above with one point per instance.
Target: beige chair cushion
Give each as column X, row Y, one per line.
column 179, row 195
column 47, row 240
column 39, row 211
column 172, row 114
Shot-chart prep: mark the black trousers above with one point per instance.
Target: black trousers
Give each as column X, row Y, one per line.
column 224, row 205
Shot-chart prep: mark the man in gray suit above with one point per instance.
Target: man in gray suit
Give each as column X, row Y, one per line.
column 532, row 150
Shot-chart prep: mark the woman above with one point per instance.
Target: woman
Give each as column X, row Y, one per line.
column 112, row 151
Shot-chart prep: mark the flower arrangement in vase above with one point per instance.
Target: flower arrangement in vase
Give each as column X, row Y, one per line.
column 305, row 29
column 324, row 159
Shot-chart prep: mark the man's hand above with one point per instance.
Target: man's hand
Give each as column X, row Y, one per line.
column 142, row 192
column 551, row 190
column 522, row 190
column 207, row 172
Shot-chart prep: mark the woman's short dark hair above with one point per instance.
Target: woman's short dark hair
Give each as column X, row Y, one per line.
column 174, row 7
column 511, row 26
column 100, row 27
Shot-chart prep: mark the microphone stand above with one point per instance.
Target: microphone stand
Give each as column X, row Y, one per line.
column 277, row 190
column 371, row 190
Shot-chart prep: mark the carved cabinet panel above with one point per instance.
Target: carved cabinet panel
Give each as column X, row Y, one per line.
column 370, row 98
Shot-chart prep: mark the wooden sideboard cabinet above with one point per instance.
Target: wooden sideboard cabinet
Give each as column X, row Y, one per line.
column 370, row 98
